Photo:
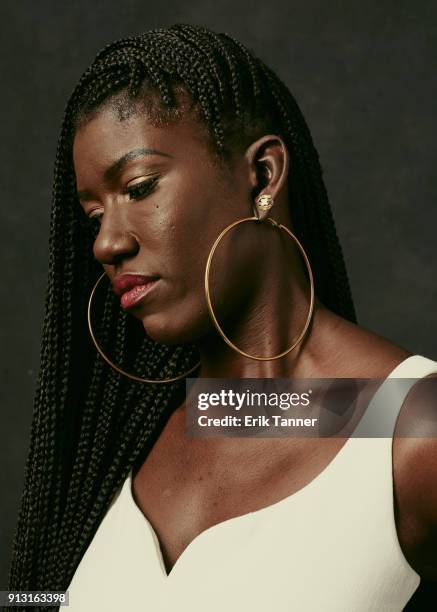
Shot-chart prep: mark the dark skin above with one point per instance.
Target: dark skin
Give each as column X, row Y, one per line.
column 186, row 485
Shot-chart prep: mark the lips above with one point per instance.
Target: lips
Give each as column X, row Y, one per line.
column 134, row 296
column 125, row 282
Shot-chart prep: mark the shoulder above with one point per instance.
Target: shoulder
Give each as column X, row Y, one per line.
column 415, row 474
column 351, row 350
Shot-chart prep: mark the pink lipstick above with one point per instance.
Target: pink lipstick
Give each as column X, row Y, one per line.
column 132, row 297
column 131, row 288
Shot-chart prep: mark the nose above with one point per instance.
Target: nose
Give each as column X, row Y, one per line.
column 114, row 241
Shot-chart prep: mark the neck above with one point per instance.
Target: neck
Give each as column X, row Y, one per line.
column 271, row 321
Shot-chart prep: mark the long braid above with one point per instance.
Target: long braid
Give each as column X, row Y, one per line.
column 91, row 425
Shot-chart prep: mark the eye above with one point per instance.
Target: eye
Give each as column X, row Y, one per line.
column 136, row 192
column 139, row 190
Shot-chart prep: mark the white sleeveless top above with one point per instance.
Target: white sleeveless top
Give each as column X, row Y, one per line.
column 330, row 547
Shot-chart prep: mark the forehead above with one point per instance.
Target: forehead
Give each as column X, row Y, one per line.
column 104, row 138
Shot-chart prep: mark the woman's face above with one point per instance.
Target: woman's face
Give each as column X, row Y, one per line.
column 162, row 201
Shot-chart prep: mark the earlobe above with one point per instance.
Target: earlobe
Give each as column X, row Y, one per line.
column 268, row 160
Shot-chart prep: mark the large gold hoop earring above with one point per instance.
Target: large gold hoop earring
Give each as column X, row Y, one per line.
column 263, row 203
column 111, row 363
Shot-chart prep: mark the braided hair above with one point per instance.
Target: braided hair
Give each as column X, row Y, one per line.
column 91, row 425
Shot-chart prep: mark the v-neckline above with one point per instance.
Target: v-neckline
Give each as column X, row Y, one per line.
column 327, row 470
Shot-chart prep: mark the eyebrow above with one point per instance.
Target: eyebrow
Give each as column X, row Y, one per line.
column 115, row 168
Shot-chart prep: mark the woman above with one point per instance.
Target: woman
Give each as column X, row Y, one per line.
column 168, row 138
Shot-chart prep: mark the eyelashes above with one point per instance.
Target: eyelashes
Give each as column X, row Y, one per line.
column 136, row 192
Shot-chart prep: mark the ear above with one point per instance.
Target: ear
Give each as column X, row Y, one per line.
column 268, row 161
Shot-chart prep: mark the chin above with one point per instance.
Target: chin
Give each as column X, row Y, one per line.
column 176, row 329
column 163, row 331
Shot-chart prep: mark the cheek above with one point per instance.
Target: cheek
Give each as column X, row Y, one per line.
column 183, row 224
column 188, row 225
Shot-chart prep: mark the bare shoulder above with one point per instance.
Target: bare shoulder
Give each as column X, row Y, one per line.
column 356, row 351
column 414, row 448
column 415, row 475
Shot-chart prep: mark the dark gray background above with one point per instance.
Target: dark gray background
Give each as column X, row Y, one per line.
column 364, row 75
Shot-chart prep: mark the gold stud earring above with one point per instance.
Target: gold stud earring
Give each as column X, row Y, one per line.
column 263, row 203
